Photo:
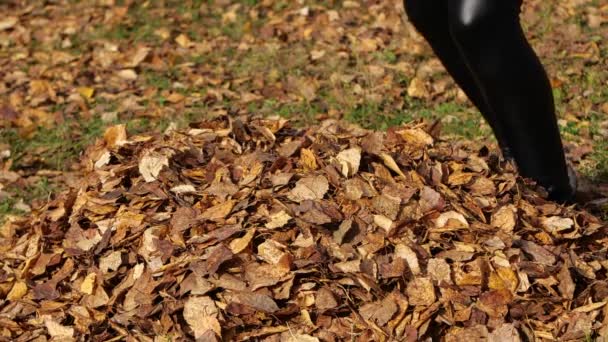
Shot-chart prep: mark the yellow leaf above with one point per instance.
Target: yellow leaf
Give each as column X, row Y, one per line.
column 308, row 160
column 175, row 97
column 115, row 135
column 183, row 41
column 86, row 92
column 18, row 291
column 391, row 164
column 219, row 211
column 417, row 89
column 88, row 284
column 278, row 220
column 503, row 279
column 239, row 244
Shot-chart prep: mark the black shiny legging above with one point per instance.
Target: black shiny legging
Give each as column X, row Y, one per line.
column 483, row 47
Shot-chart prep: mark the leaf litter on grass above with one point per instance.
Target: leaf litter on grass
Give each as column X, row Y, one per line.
column 245, row 228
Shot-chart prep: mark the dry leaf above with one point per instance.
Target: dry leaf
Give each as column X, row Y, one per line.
column 88, row 284
column 57, row 330
column 421, row 291
column 349, row 161
column 18, row 291
column 201, row 315
column 151, row 164
column 8, row 22
column 453, row 216
column 505, row 218
column 278, row 220
column 310, row 188
column 238, row 245
column 115, row 135
column 556, row 224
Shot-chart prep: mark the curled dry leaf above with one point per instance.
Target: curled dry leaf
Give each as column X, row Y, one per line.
column 115, row 135
column 239, row 244
column 151, row 164
column 457, row 218
column 406, row 253
column 379, row 312
column 349, row 161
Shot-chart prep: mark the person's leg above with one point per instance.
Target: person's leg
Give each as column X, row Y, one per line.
column 515, row 86
column 430, row 18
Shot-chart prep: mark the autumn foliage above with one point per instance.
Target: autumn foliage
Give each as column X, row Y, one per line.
column 245, row 228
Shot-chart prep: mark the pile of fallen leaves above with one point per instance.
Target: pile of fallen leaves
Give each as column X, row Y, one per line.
column 248, row 229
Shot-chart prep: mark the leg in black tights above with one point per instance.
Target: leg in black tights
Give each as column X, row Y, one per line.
column 431, row 19
column 482, row 45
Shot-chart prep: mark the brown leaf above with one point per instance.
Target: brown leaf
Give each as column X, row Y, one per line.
column 421, row 291
column 505, row 218
column 219, row 211
column 439, row 271
column 495, row 302
column 239, row 244
column 8, row 22
column 349, row 161
column 505, row 333
column 151, row 164
column 257, row 301
column 278, row 220
column 538, row 253
column 219, row 255
column 310, row 188
column 271, row 251
column 379, row 312
column 265, row 275
column 406, row 253
column 457, row 218
column 325, row 299
column 556, row 224
column 201, row 314
column 566, row 285
column 430, row 200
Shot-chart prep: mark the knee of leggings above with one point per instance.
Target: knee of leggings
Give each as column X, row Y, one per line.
column 468, row 18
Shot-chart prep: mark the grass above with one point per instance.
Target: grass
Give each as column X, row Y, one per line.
column 40, row 190
column 49, row 144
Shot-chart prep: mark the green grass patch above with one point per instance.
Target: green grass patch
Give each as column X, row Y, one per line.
column 54, row 147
